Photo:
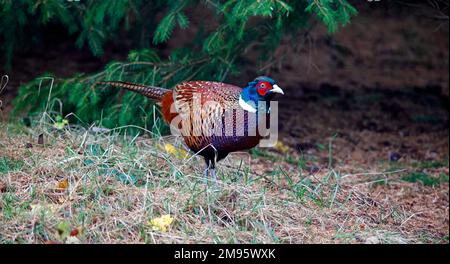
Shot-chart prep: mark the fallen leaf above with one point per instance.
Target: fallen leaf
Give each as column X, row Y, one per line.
column 74, row 232
column 281, row 147
column 63, row 185
column 60, row 122
column 176, row 152
column 161, row 223
column 63, row 229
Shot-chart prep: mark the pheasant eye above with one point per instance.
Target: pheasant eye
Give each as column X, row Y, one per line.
column 263, row 88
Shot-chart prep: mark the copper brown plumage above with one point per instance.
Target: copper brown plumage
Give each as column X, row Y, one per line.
column 155, row 93
column 203, row 111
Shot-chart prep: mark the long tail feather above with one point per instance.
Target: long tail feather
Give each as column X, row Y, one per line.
column 152, row 92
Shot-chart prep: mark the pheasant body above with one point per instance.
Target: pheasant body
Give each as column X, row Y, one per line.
column 206, row 113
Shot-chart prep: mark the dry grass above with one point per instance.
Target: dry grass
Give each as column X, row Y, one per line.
column 116, row 184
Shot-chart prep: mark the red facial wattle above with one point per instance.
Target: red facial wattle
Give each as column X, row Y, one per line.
column 263, row 88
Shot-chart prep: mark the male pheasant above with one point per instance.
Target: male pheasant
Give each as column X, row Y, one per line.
column 190, row 104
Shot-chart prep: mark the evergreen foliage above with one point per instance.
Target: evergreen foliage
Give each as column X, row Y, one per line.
column 212, row 54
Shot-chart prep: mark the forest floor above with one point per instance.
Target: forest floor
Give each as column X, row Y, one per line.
column 371, row 175
column 363, row 158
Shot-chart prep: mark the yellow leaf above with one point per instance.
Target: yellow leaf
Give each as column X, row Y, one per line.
column 161, row 223
column 281, row 147
column 176, row 152
column 62, row 185
column 61, row 124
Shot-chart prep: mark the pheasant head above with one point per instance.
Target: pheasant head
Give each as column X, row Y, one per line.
column 262, row 89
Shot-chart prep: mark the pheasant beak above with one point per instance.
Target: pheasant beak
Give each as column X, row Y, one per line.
column 277, row 89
